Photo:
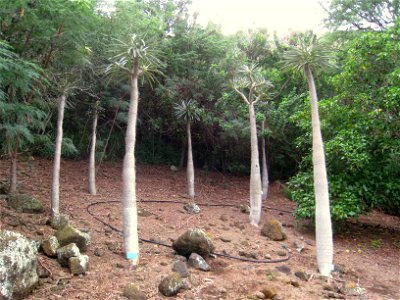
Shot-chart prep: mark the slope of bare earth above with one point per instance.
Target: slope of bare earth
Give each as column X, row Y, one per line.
column 366, row 253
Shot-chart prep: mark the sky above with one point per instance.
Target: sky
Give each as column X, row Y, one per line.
column 280, row 16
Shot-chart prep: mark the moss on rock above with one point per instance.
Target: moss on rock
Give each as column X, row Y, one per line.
column 25, row 203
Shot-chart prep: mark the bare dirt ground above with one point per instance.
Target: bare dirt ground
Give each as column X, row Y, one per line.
column 367, row 253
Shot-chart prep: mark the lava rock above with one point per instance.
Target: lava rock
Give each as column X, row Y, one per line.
column 132, row 292
column 18, row 274
column 66, row 252
column 192, row 208
column 181, row 268
column 194, row 240
column 273, row 230
column 25, row 203
column 302, row 275
column 50, row 246
column 269, row 292
column 68, row 234
column 198, row 262
column 78, row 265
column 170, row 285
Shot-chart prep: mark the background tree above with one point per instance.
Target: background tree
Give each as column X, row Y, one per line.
column 189, row 111
column 306, row 56
column 250, row 79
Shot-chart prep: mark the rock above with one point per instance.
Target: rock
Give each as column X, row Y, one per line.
column 66, row 252
column 78, row 265
column 50, row 246
column 59, row 221
column 112, row 246
column 250, row 255
column 284, row 269
column 299, row 245
column 192, row 208
column 25, row 203
column 181, row 268
column 223, row 218
column 244, row 208
column 273, row 229
column 132, row 292
column 143, row 212
column 269, row 292
column 295, row 283
column 173, row 168
column 42, row 272
column 281, row 252
column 18, row 275
column 239, row 225
column 259, row 295
column 194, row 240
column 98, row 252
column 198, row 262
column 180, row 258
column 225, row 239
column 68, row 234
column 170, row 285
column 302, row 275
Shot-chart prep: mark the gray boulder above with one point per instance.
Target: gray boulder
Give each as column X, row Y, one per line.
column 78, row 264
column 50, row 246
column 171, row 285
column 197, row 262
column 66, row 252
column 194, row 240
column 25, row 203
column 68, row 234
column 18, row 262
column 273, row 229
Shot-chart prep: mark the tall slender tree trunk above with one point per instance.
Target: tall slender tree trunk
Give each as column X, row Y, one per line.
column 323, row 223
column 190, row 167
column 55, row 186
column 255, row 178
column 92, row 158
column 264, row 179
column 13, row 178
column 131, row 239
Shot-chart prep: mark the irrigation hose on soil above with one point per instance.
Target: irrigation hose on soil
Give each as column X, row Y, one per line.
column 259, row 261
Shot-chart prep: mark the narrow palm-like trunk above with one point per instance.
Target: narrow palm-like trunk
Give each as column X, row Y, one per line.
column 55, row 186
column 190, row 167
column 92, row 159
column 255, row 178
column 131, row 239
column 323, row 223
column 264, row 178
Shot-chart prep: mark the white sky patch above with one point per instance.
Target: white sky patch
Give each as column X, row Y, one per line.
column 280, row 16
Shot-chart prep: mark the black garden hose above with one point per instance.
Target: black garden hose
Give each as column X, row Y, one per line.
column 260, row 261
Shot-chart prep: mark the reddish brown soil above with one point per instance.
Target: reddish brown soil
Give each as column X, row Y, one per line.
column 367, row 252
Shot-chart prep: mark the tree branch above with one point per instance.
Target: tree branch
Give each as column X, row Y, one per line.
column 242, row 95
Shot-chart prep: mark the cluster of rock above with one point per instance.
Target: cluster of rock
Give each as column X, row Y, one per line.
column 18, row 258
column 191, row 247
column 67, row 245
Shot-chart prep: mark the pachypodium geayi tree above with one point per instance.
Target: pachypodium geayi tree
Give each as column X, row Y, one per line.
column 250, row 84
column 307, row 55
column 189, row 111
column 136, row 59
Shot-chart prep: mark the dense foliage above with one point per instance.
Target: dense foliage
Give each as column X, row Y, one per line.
column 50, row 46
